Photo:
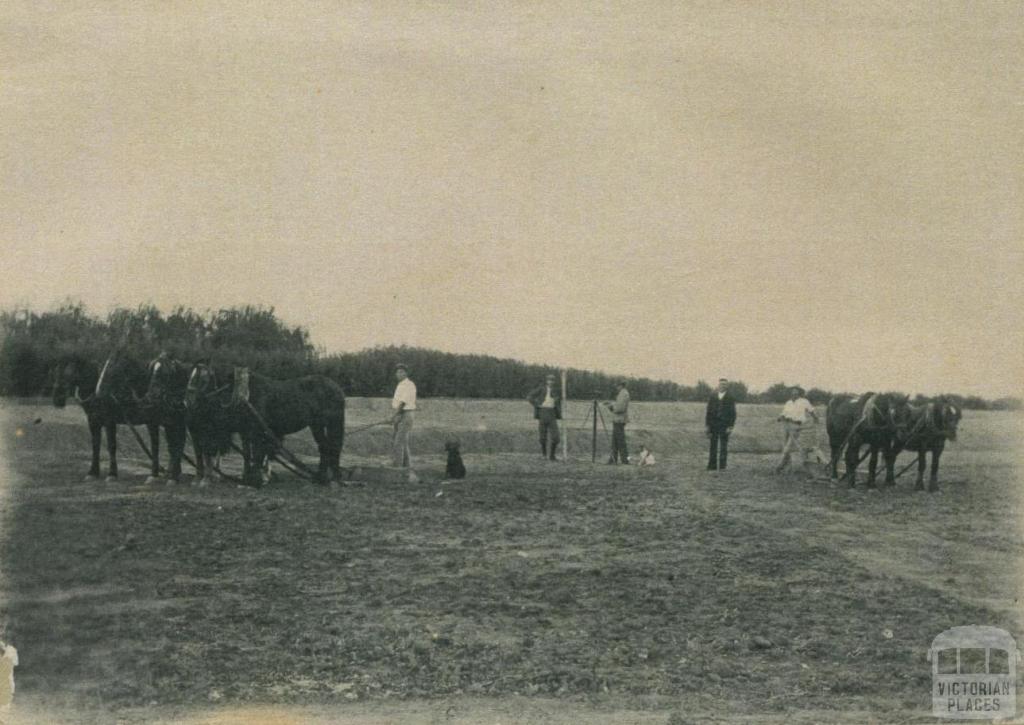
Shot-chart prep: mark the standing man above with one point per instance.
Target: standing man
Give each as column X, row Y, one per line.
column 404, row 405
column 794, row 416
column 718, row 423
column 547, row 411
column 620, row 416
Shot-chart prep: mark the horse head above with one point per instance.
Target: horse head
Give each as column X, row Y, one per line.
column 949, row 416
column 70, row 374
column 201, row 382
column 165, row 379
column 105, row 382
column 63, row 373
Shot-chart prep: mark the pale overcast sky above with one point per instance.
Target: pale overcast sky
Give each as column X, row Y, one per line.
column 825, row 193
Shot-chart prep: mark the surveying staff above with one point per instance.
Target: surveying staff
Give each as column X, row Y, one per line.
column 794, row 416
column 620, row 416
column 404, row 405
column 718, row 423
column 547, row 411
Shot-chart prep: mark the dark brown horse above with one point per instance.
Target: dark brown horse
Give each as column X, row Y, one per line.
column 212, row 420
column 927, row 428
column 165, row 403
column 868, row 420
column 109, row 397
column 263, row 411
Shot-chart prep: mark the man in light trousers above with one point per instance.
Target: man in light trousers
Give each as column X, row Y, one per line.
column 794, row 416
column 404, row 405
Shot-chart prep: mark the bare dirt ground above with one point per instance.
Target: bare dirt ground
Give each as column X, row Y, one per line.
column 531, row 592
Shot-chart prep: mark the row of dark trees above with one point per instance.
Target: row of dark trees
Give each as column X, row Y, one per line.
column 249, row 335
column 443, row 374
column 255, row 337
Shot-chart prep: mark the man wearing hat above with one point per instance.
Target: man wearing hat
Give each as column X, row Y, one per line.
column 547, row 411
column 620, row 416
column 404, row 405
column 719, row 420
column 794, row 416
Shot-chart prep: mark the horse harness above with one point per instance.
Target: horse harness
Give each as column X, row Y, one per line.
column 870, row 407
column 926, row 422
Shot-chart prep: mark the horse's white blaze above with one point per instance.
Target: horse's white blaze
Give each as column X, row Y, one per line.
column 103, row 372
column 192, row 379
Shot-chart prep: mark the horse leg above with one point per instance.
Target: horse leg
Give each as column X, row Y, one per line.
column 336, row 434
column 95, row 432
column 245, row 459
column 873, row 466
column 262, row 452
column 833, row 464
column 323, row 447
column 919, row 486
column 933, row 480
column 266, row 465
column 199, row 456
column 199, row 453
column 112, row 451
column 250, row 461
column 852, row 458
column 208, row 469
column 154, row 447
column 889, row 456
column 205, row 444
column 176, row 449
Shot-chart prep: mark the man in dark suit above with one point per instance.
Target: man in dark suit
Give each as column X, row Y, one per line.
column 547, row 411
column 719, row 421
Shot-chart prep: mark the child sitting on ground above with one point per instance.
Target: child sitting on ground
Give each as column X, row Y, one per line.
column 646, row 458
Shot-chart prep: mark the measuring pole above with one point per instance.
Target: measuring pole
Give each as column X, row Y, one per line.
column 593, row 440
column 565, row 417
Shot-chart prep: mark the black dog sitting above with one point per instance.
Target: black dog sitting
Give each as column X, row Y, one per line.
column 455, row 467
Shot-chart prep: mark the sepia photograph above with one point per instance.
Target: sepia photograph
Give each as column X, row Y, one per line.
column 507, row 363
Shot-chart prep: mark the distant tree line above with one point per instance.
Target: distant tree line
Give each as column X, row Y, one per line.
column 249, row 335
column 780, row 392
column 254, row 336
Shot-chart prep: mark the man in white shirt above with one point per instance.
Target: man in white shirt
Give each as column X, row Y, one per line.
column 404, row 405
column 794, row 416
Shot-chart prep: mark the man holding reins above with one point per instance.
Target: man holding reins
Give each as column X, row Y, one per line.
column 794, row 416
column 404, row 405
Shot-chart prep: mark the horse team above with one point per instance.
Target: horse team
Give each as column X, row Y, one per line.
column 190, row 401
column 889, row 424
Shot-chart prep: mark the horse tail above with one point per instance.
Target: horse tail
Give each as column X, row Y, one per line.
column 341, row 426
column 336, row 425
